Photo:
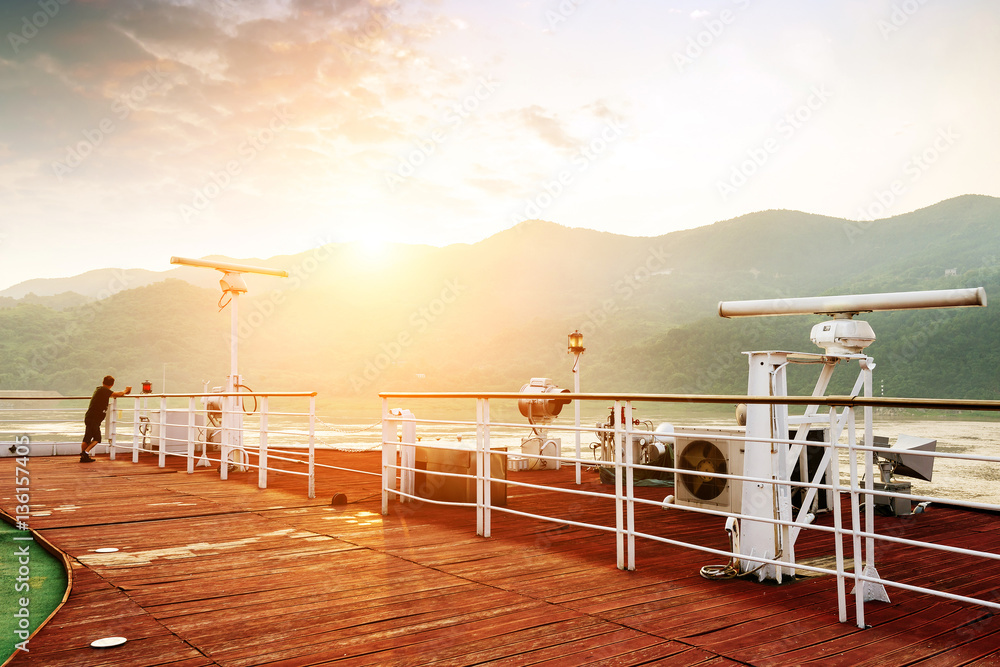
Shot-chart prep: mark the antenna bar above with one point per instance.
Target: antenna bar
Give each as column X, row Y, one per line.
column 229, row 266
column 857, row 303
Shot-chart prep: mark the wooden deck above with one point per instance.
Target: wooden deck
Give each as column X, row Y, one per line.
column 214, row 572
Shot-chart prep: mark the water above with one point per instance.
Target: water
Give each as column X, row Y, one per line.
column 952, row 478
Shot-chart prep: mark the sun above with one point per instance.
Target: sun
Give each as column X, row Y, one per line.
column 372, row 247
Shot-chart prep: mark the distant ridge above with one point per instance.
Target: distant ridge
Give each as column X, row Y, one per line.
column 96, row 284
column 493, row 314
column 101, row 283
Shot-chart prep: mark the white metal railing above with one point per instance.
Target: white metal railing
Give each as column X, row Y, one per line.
column 850, row 480
column 178, row 425
column 284, row 441
column 226, row 425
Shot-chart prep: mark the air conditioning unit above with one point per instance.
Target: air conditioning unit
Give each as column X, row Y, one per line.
column 711, row 452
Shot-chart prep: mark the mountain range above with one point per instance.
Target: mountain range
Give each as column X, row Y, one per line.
column 493, row 314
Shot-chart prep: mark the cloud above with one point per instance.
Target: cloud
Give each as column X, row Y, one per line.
column 546, row 126
column 223, row 68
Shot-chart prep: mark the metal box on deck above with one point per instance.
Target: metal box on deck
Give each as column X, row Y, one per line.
column 456, row 460
column 176, row 432
column 891, row 504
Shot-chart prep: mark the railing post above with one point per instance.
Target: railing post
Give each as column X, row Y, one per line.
column 484, row 483
column 136, row 422
column 867, row 366
column 262, row 452
column 225, row 436
column 838, row 527
column 388, row 455
column 629, row 488
column 408, row 454
column 619, row 473
column 407, row 447
column 852, row 457
column 312, row 447
column 576, row 421
column 113, row 428
column 480, row 499
column 190, row 436
column 163, row 432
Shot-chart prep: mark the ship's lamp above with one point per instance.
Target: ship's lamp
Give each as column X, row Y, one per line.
column 575, row 345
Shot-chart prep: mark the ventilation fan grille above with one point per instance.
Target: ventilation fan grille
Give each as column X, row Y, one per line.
column 699, row 460
column 701, row 456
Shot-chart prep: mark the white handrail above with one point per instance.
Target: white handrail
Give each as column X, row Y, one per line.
column 860, row 527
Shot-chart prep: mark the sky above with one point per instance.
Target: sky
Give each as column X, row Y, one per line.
column 134, row 130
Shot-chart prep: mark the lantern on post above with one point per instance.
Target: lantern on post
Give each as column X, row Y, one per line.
column 575, row 347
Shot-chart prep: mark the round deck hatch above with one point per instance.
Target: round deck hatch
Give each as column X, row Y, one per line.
column 108, row 642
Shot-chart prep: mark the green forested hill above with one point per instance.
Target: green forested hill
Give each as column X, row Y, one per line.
column 130, row 335
column 493, row 314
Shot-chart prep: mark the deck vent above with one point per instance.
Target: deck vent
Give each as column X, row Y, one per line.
column 698, row 460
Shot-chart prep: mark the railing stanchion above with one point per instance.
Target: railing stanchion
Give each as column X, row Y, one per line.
column 163, row 432
column 838, row 527
column 113, row 426
column 225, row 436
column 852, row 458
column 480, row 437
column 190, row 436
column 576, row 420
column 619, row 472
column 388, row 456
column 408, row 453
column 869, row 472
column 629, row 488
column 486, row 471
column 312, row 446
column 136, row 422
column 262, row 454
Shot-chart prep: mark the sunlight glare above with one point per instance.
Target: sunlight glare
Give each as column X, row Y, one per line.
column 370, row 248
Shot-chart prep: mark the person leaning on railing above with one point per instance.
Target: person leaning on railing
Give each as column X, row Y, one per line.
column 96, row 412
